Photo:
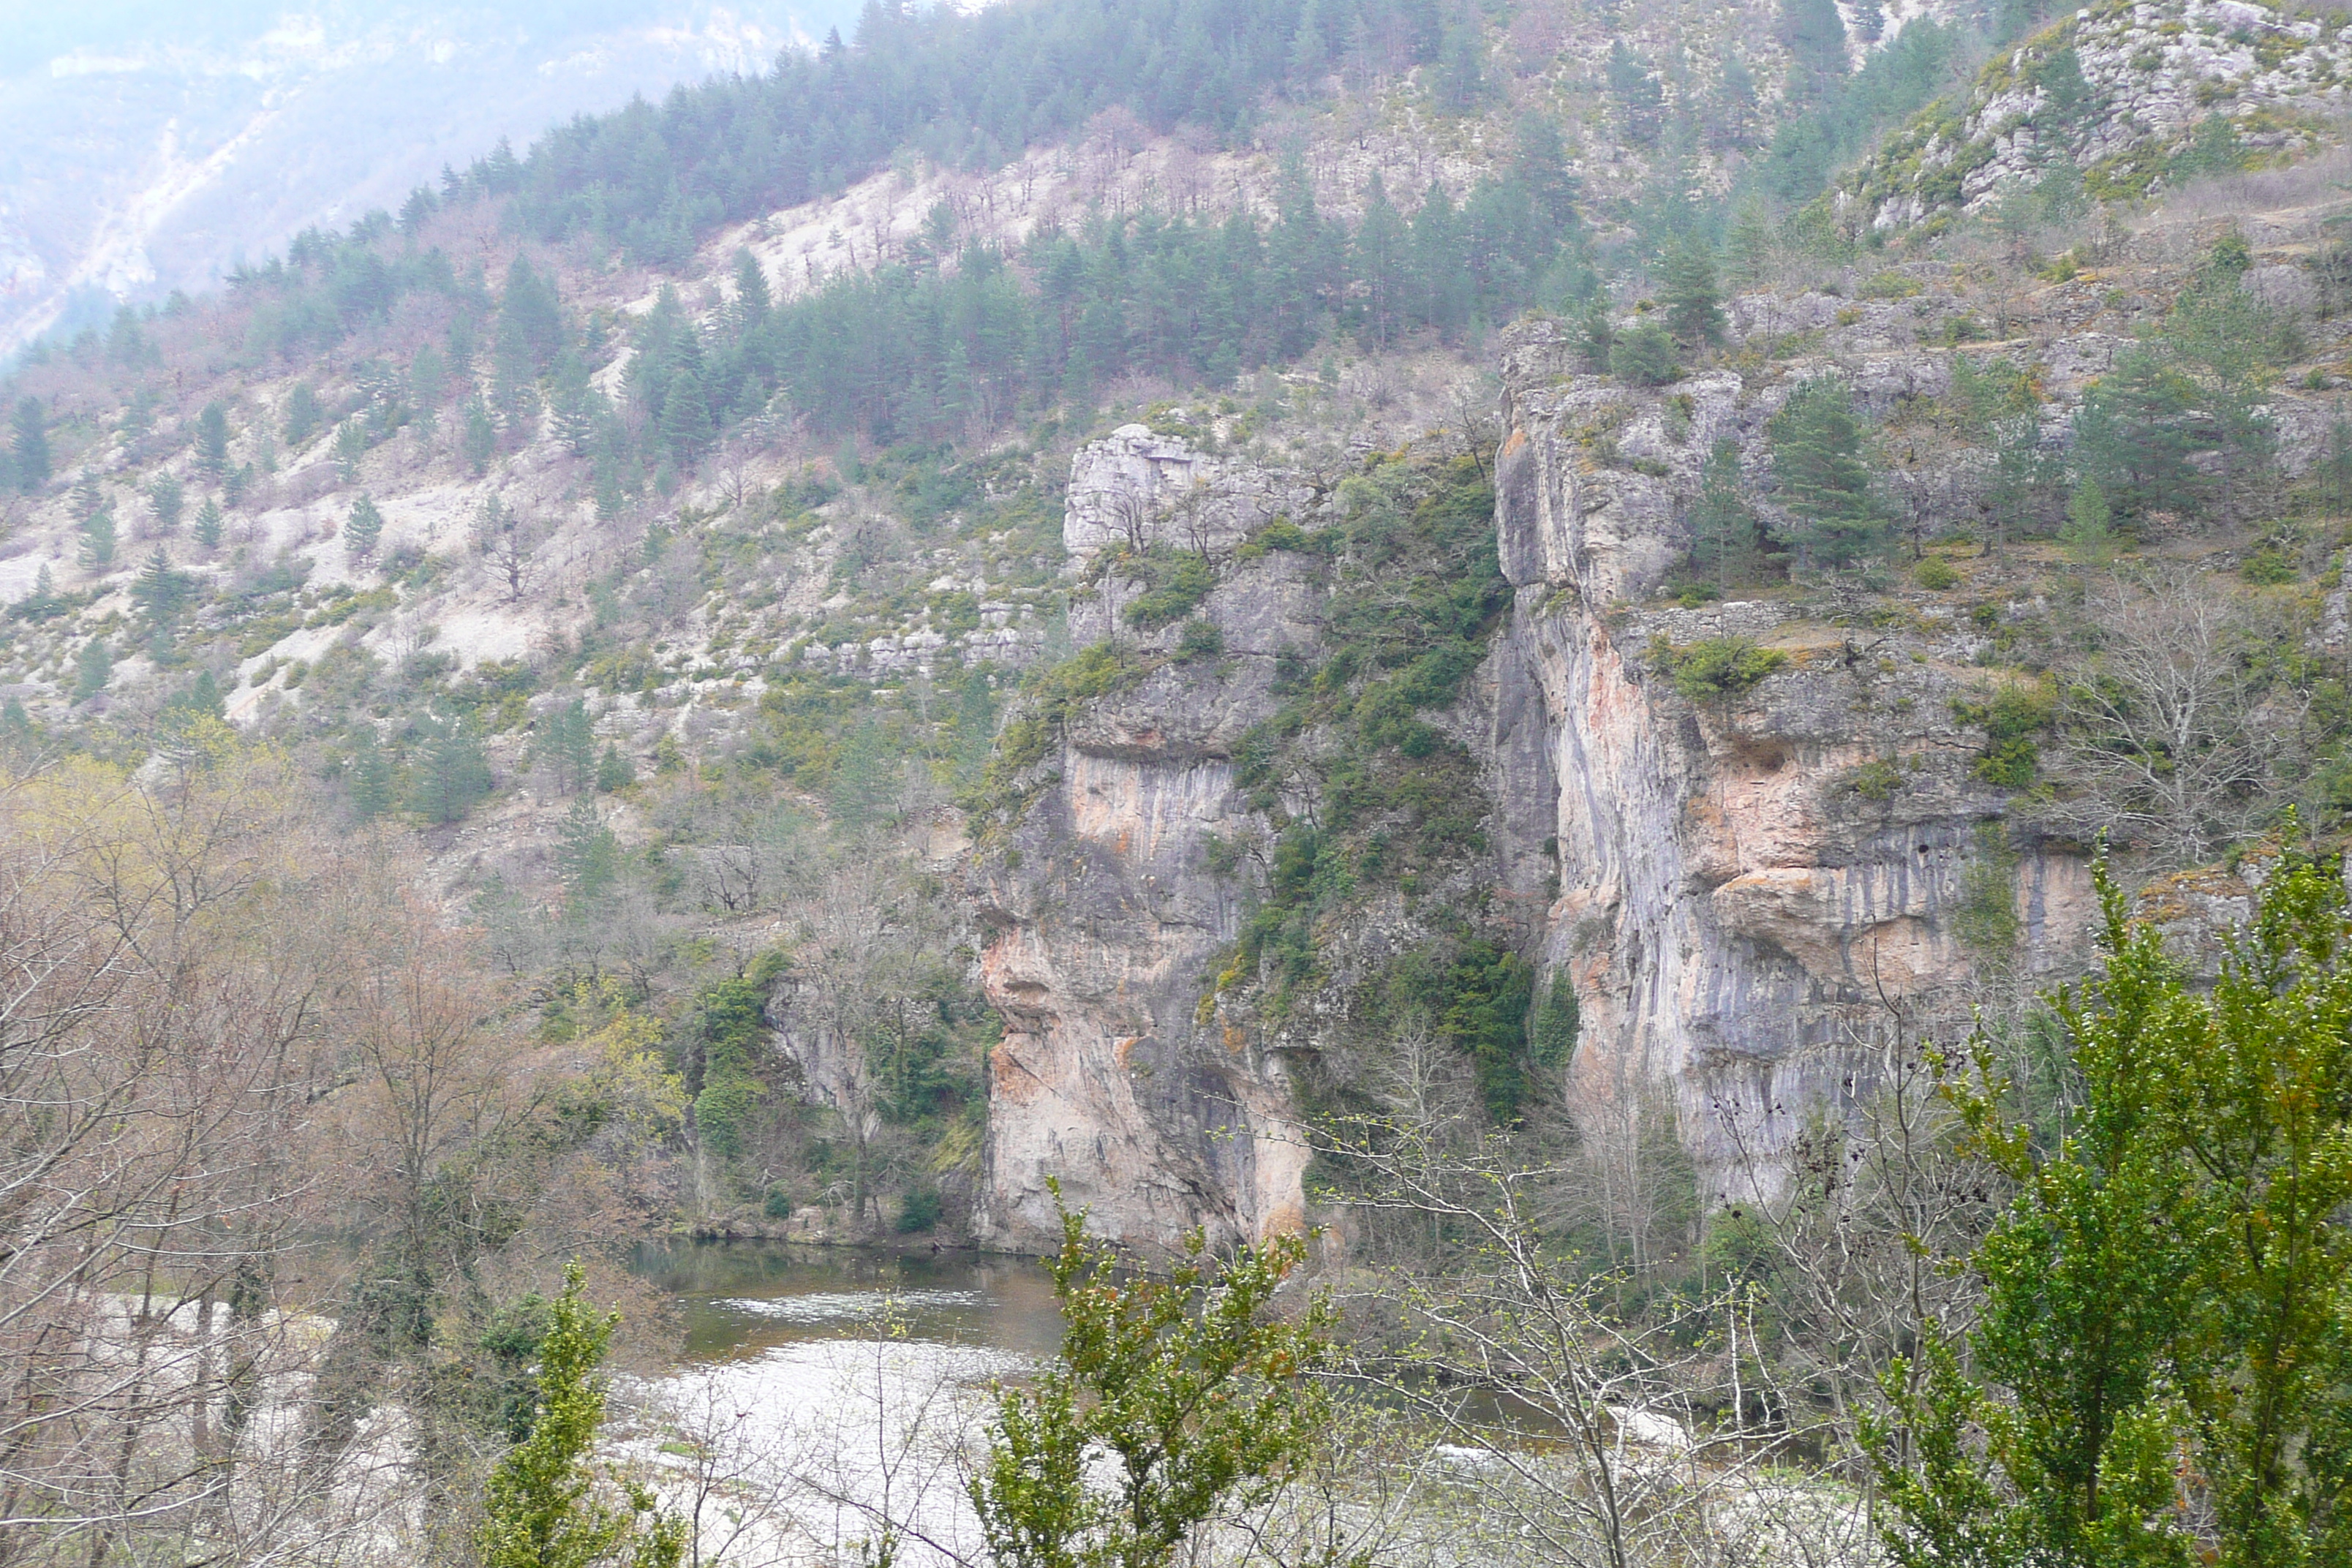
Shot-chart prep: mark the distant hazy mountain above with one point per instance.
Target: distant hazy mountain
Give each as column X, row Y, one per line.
column 147, row 146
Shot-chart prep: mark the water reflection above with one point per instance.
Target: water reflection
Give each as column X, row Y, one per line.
column 819, row 1391
column 743, row 1297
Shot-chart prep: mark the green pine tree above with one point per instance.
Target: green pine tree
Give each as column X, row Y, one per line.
column 514, row 380
column 428, row 384
column 28, row 446
column 611, row 499
column 1751, row 244
column 2137, row 433
column 2227, row 342
column 1724, row 544
column 1815, row 35
column 203, row 697
column 1382, row 243
column 208, row 524
column 42, row 602
column 565, row 745
column 96, row 551
column 93, row 667
column 573, row 403
column 451, row 778
column 365, row 527
column 167, row 497
column 478, row 441
column 303, row 415
column 1599, row 336
column 2086, row 536
column 544, row 1506
column 587, row 857
column 1641, row 101
column 1644, row 355
column 351, row 446
column 686, row 418
column 1821, row 469
column 1693, row 302
column 369, row 775
column 614, row 771
column 159, row 590
column 212, row 440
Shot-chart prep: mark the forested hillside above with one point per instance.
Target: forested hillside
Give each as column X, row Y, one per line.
column 1628, row 660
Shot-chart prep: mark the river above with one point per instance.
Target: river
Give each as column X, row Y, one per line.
column 818, row 1390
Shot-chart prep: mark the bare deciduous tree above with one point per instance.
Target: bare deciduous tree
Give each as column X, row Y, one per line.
column 1513, row 1333
column 2175, row 724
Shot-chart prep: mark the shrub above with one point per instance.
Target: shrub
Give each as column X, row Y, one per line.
column 1985, row 918
column 2269, row 566
column 1281, row 534
column 1177, row 587
column 1552, row 1030
column 1936, row 574
column 2011, row 722
column 1199, row 639
column 1717, row 668
column 1644, row 356
column 918, row 1211
column 1875, row 780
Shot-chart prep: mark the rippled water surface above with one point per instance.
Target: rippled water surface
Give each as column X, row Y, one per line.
column 745, row 1298
column 835, row 1387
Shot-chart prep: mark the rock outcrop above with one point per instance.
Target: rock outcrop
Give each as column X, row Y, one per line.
column 1759, row 892
column 1103, row 916
column 2113, row 94
column 1755, row 890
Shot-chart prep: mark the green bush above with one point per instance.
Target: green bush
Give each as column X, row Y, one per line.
column 2269, row 566
column 1416, row 591
column 1177, row 589
column 918, row 1211
column 1199, row 639
column 1282, row 535
column 1644, row 356
column 1094, row 671
column 1936, row 574
column 1552, row 1030
column 1985, row 919
column 1716, row 667
column 2011, row 722
column 1875, row 780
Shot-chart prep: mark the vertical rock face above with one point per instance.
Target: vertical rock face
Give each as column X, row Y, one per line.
column 1104, row 917
column 1754, row 893
column 1137, row 488
column 1748, row 916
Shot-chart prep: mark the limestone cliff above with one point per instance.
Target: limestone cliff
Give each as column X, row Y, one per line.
column 1747, row 915
column 1754, row 889
column 1104, row 920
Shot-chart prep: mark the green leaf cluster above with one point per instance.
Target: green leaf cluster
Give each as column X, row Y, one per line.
column 544, row 1508
column 1714, row 670
column 2161, row 1373
column 1199, row 1390
column 1396, row 798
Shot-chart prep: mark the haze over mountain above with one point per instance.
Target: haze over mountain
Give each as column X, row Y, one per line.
column 1660, row 688
column 146, row 147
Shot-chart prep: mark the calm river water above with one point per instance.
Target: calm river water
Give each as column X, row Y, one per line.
column 820, row 1390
